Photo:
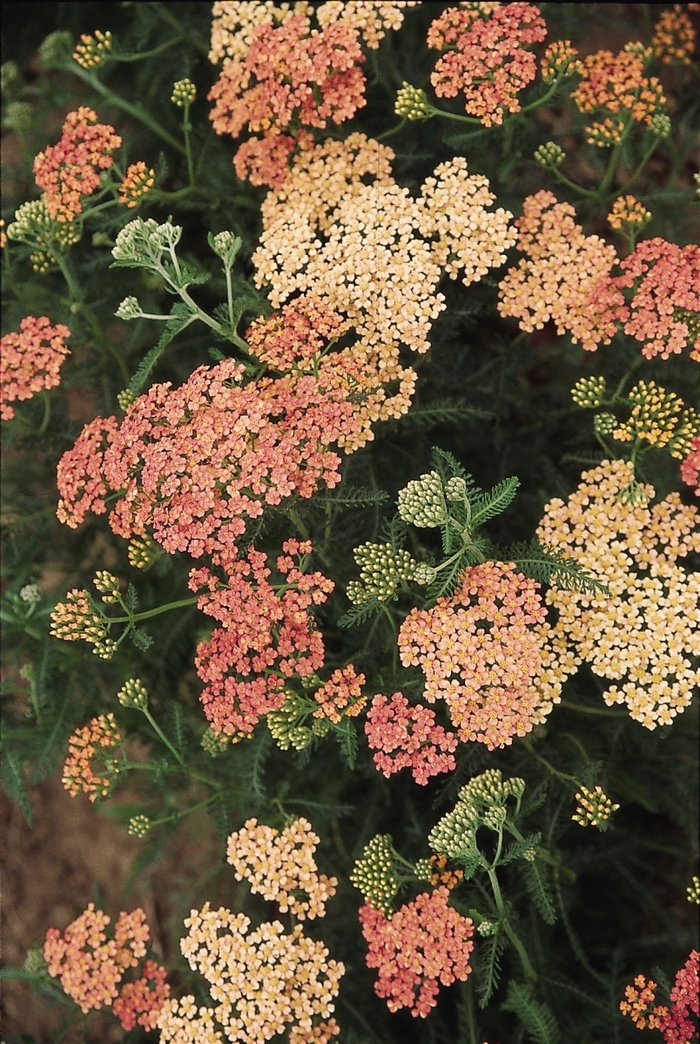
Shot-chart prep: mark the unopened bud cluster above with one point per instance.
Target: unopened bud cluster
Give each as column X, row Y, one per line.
column 604, row 423
column 133, row 694
column 594, row 807
column 142, row 551
column 374, row 874
column 422, row 502
column 108, row 586
column 138, row 826
column 126, row 399
column 657, row 417
column 184, row 93
column 129, row 309
column 412, row 103
column 660, row 125
column 382, row 570
column 589, row 392
column 285, row 723
column 76, row 619
column 481, row 801
column 138, row 181
column 693, row 891
column 91, row 52
column 550, row 155
column 34, row 225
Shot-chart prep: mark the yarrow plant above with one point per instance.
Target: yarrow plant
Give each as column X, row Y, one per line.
column 350, row 553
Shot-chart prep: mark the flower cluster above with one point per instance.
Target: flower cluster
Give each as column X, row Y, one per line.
column 374, row 874
column 289, row 75
column 644, row 634
column 616, row 84
column 34, row 225
column 137, row 183
column 370, row 18
column 341, row 696
column 674, row 37
column 68, row 170
column 482, row 651
column 594, row 807
column 266, row 637
column 30, row 360
column 263, row 982
column 280, row 866
column 561, row 275
column 194, row 464
column 93, row 743
column 486, row 56
column 92, row 51
column 184, row 93
column 675, row 1023
column 411, row 103
column 341, row 228
column 628, row 212
column 424, row 944
column 382, row 569
column 90, row 966
column 77, row 620
column 482, row 801
column 690, row 467
column 406, row 736
column 559, row 57
column 658, row 417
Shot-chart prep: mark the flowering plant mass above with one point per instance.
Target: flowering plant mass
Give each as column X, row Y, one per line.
column 351, row 594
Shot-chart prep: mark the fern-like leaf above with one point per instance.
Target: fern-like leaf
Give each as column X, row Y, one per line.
column 180, row 317
column 550, row 566
column 488, row 967
column 359, row 614
column 353, row 496
column 14, row 783
column 540, row 1025
column 516, row 850
column 490, row 504
column 442, row 411
column 536, row 883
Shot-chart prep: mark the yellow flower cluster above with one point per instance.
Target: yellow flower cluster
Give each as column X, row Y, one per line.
column 594, row 807
column 77, row 620
column 644, row 636
column 371, row 251
column 280, row 865
column 628, row 211
column 92, row 51
column 371, row 18
column 656, row 418
column 263, row 982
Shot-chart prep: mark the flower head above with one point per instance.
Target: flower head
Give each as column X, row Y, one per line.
column 77, row 619
column 92, row 51
column 30, row 360
column 690, row 467
column 90, row 747
column 137, row 183
column 405, row 736
column 615, row 86
column 594, row 808
column 675, row 1022
column 627, row 212
column 674, row 37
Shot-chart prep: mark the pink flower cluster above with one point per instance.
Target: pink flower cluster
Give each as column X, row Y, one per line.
column 675, row 1023
column 90, row 966
column 424, row 944
column 193, row 464
column 481, row 650
column 486, row 56
column 266, row 637
column 290, row 77
column 567, row 277
column 69, row 170
column 341, row 696
column 690, row 468
column 406, row 736
column 30, row 360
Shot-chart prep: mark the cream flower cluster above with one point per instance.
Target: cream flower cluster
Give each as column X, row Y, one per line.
column 263, row 982
column 280, row 865
column 372, row 252
column 644, row 637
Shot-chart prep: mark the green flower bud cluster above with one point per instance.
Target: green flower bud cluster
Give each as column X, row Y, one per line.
column 456, row 488
column 455, row 834
column 412, row 103
column 594, row 808
column 214, row 743
column 482, row 800
column 693, row 891
column 491, row 789
column 129, row 309
column 226, row 246
column 55, row 49
column 42, row 262
column 30, row 593
column 382, row 570
column 487, row 928
column 138, row 826
column 108, row 586
column 142, row 242
column 285, row 723
column 424, row 573
column 589, row 392
column 133, row 694
column 424, row 870
column 184, row 93
column 35, row 963
column 550, row 155
column 422, row 502
column 374, row 874
column 142, row 551
column 660, row 125
column 125, row 399
column 34, row 225
column 604, row 423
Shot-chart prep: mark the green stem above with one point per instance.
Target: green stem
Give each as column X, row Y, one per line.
column 47, row 414
column 530, row 972
column 137, row 111
column 185, row 811
column 548, row 765
column 90, row 318
column 453, row 116
column 571, row 184
column 392, row 130
column 143, row 54
column 638, row 170
column 188, row 148
column 545, row 97
column 592, row 710
column 135, row 617
column 186, row 34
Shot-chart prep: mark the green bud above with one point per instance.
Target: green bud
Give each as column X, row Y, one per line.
column 422, row 502
column 133, row 694
column 184, row 93
column 138, row 826
column 550, row 155
column 604, row 423
column 374, row 874
column 589, row 392
column 412, row 103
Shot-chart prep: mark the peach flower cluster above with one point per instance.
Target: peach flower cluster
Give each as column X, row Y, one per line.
column 195, row 463
column 644, row 636
column 488, row 653
column 425, row 944
column 86, row 746
column 70, row 169
column 616, row 84
column 268, row 635
column 341, row 228
column 486, row 56
column 674, row 37
column 263, row 982
column 690, row 467
column 341, row 696
column 136, row 183
column 406, row 736
column 30, row 360
column 675, row 1023
column 626, row 211
column 371, row 18
column 279, row 866
column 290, row 77
column 90, row 966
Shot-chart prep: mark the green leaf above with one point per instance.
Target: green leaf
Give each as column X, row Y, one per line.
column 536, row 883
column 180, row 317
column 353, row 496
column 550, row 566
column 441, row 411
column 347, row 741
column 358, row 614
column 516, row 850
column 490, row 504
column 540, row 1025
column 13, row 781
column 141, row 639
column 487, row 967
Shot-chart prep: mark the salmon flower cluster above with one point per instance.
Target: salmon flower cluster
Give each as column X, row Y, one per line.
column 690, row 467
column 406, row 736
column 89, row 748
column 644, row 636
column 676, row 1023
column 90, row 966
column 70, row 169
column 615, row 86
column 674, row 36
column 30, row 360
column 486, row 56
column 487, row 652
column 136, row 183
